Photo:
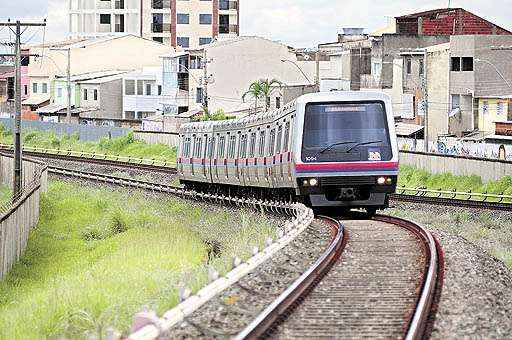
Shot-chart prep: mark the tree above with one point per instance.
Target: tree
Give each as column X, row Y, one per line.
column 262, row 89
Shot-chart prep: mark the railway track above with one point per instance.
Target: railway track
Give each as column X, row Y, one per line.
column 383, row 286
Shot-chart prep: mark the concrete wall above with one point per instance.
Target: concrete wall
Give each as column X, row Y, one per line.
column 437, row 68
column 22, row 214
column 85, row 132
column 488, row 170
column 488, row 113
column 169, row 139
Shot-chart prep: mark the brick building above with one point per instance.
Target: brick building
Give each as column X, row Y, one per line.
column 447, row 21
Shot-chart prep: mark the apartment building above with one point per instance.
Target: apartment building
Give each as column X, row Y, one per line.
column 185, row 23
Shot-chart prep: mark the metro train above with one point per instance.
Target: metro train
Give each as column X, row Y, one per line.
column 332, row 149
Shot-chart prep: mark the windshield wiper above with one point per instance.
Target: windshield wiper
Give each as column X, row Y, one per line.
column 363, row 143
column 333, row 145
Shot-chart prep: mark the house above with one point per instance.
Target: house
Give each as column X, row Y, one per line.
column 95, row 98
column 88, row 56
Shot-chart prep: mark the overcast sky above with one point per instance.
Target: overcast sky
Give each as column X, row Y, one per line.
column 299, row 23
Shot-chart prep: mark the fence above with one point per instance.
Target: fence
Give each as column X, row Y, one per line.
column 487, row 169
column 166, row 138
column 88, row 133
column 20, row 215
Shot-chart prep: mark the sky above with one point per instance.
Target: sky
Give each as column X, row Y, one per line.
column 298, row 23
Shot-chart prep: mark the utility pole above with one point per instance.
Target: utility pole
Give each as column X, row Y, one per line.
column 18, row 167
column 68, row 78
column 205, row 81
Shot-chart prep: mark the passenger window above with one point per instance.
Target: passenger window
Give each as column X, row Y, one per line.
column 286, row 137
column 261, row 146
column 279, row 139
column 271, row 143
column 252, row 145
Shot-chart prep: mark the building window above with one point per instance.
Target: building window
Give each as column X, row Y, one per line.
column 183, row 42
column 485, row 107
column 95, row 93
column 59, row 92
column 158, row 39
column 159, row 90
column 205, row 19
column 455, row 101
column 182, row 18
column 421, row 67
column 467, row 64
column 408, row 65
column 45, row 88
column 129, row 114
column 455, row 64
column 278, row 102
column 500, row 108
column 34, row 88
column 140, row 88
column 25, row 89
column 205, row 41
column 105, row 19
column 148, row 89
column 85, row 94
column 199, row 95
column 129, row 87
column 268, row 102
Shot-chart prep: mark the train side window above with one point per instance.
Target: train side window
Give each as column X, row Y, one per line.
column 210, row 147
column 252, row 145
column 279, row 139
column 271, row 143
column 222, row 146
column 242, row 152
column 261, row 146
column 286, row 137
column 231, row 148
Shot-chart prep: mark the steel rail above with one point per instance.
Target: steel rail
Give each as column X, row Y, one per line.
column 275, row 312
column 454, row 202
column 418, row 322
column 281, row 306
column 102, row 159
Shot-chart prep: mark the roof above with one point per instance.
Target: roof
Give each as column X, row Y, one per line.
column 36, row 99
column 91, row 75
column 427, row 13
column 84, row 42
column 235, row 39
column 103, row 80
column 403, row 129
column 506, row 96
column 190, row 113
column 389, row 29
column 52, row 108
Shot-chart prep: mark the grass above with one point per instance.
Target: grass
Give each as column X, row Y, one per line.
column 123, row 146
column 414, row 178
column 5, row 195
column 98, row 256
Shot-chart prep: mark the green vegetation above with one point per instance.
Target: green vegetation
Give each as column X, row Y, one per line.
column 216, row 116
column 414, row 178
column 98, row 256
column 123, row 146
column 5, row 194
column 488, row 230
column 262, row 89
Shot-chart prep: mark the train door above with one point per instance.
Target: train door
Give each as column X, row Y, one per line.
column 194, row 155
column 287, row 167
column 278, row 168
column 251, row 162
column 221, row 156
column 271, row 157
column 261, row 166
column 231, row 162
column 216, row 159
column 209, row 158
column 242, row 158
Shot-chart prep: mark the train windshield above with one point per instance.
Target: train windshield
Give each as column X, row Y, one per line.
column 355, row 131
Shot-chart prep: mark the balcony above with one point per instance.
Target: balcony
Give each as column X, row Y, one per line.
column 228, row 29
column 161, row 4
column 160, row 28
column 119, row 4
column 225, row 5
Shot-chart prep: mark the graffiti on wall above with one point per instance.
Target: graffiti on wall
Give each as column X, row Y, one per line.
column 459, row 148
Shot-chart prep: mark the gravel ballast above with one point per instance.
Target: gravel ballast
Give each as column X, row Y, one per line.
column 476, row 299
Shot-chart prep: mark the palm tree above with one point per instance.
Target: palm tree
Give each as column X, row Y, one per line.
column 262, row 89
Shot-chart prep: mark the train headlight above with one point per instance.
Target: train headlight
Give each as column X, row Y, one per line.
column 389, row 181
column 381, row 180
column 313, row 182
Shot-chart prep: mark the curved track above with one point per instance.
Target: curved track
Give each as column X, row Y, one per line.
column 382, row 287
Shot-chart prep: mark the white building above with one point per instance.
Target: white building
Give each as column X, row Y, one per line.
column 189, row 23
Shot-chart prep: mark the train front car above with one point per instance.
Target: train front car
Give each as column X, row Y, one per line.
column 347, row 154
